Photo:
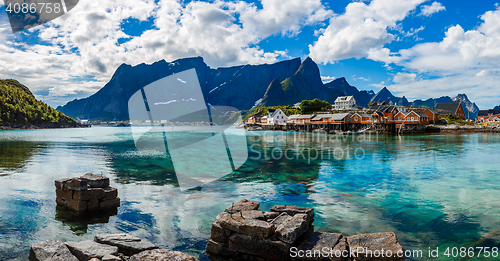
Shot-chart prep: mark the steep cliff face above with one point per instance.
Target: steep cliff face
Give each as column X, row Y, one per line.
column 305, row 84
column 238, row 86
column 242, row 86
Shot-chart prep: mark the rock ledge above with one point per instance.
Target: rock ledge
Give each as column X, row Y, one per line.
column 105, row 247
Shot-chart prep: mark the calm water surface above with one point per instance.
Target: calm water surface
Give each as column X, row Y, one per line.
column 432, row 191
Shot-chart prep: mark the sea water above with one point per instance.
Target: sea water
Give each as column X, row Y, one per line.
column 431, row 190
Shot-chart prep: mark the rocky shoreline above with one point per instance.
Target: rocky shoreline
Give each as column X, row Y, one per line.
column 242, row 232
column 454, row 129
column 104, row 247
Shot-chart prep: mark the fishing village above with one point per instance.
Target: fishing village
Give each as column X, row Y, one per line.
column 381, row 117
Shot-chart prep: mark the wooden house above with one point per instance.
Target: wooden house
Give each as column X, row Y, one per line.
column 361, row 118
column 276, row 116
column 484, row 115
column 452, row 108
column 298, row 119
column 255, row 119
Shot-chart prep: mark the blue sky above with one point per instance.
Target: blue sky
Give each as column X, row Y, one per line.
column 418, row 49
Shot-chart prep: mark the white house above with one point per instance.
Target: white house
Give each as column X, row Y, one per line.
column 276, row 116
column 345, row 103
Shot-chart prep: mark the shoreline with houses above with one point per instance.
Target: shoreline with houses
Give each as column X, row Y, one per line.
column 380, row 117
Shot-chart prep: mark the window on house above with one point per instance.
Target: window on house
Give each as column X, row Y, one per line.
column 400, row 118
column 356, row 118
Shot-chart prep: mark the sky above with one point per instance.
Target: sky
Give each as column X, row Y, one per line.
column 418, row 49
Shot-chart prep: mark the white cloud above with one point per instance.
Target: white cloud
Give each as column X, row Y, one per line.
column 362, row 30
column 379, row 85
column 428, row 10
column 464, row 61
column 326, row 79
column 81, row 50
column 404, row 77
column 482, row 73
column 459, row 49
column 361, row 78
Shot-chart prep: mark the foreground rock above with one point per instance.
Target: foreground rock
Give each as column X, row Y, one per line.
column 105, row 247
column 127, row 244
column 88, row 249
column 50, row 250
column 161, row 254
column 242, row 232
column 86, row 193
column 369, row 246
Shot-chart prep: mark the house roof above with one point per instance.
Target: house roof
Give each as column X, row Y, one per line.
column 333, row 117
column 450, row 107
column 422, row 114
column 299, row 116
column 382, row 108
column 364, row 115
column 488, row 112
column 344, row 98
column 433, row 111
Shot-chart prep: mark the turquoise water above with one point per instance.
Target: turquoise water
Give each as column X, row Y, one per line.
column 431, row 190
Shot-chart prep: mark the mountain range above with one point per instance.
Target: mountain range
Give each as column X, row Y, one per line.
column 471, row 110
column 243, row 87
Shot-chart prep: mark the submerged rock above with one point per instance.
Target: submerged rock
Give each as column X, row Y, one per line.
column 50, row 250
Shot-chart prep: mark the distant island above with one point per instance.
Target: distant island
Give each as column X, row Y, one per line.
column 19, row 109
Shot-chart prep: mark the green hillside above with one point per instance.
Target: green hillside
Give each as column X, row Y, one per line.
column 20, row 108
